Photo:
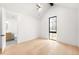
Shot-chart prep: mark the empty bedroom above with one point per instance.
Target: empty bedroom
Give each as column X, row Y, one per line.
column 39, row 28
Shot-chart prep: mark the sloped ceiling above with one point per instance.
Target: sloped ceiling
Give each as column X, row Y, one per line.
column 26, row 8
column 31, row 9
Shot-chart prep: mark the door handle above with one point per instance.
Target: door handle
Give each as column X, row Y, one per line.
column 2, row 35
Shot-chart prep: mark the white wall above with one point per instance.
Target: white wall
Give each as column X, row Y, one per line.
column 66, row 24
column 28, row 28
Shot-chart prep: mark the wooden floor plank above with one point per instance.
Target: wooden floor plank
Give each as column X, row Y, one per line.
column 41, row 47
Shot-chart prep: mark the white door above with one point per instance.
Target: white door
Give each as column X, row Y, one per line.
column 2, row 29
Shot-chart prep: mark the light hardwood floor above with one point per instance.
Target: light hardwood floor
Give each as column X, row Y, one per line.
column 41, row 47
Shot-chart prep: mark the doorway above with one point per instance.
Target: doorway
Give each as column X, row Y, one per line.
column 11, row 28
column 8, row 28
column 53, row 28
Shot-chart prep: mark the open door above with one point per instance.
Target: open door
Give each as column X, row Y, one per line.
column 2, row 29
column 53, row 28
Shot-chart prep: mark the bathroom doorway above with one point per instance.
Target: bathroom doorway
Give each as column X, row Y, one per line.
column 53, row 28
